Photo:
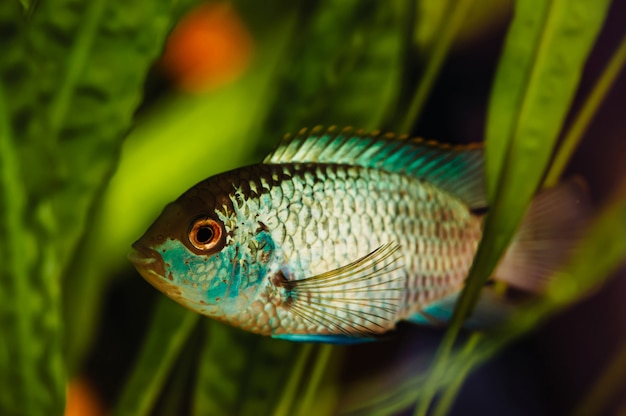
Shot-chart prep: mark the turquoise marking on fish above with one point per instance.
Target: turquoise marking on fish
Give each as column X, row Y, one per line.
column 338, row 235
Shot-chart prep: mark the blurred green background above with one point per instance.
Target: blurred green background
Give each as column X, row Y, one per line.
column 110, row 109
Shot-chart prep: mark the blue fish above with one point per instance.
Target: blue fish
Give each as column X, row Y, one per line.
column 338, row 235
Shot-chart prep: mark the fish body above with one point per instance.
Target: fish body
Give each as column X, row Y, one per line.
column 335, row 237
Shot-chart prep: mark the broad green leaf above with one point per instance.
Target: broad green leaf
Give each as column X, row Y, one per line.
column 344, row 69
column 22, row 363
column 93, row 57
column 176, row 144
column 168, row 331
column 74, row 72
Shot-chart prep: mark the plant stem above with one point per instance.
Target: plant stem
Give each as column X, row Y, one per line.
column 447, row 400
column 610, row 381
column 323, row 356
column 284, row 406
column 448, row 31
column 586, row 113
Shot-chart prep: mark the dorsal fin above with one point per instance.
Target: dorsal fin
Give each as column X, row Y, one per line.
column 457, row 169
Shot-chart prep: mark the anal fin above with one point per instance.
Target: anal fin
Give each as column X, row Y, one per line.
column 491, row 310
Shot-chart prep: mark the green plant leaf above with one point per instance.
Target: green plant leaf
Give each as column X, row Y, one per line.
column 545, row 51
column 160, row 160
column 94, row 56
column 608, row 385
column 75, row 73
column 599, row 253
column 168, row 331
column 240, row 373
column 586, row 113
column 21, row 362
column 345, row 65
column 447, row 29
column 543, row 58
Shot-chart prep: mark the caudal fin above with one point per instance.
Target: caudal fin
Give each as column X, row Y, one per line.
column 547, row 236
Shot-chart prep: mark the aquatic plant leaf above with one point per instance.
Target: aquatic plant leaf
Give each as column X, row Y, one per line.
column 240, row 373
column 93, row 57
column 30, row 383
column 72, row 75
column 543, row 58
column 608, row 385
column 168, row 331
column 345, row 64
column 546, row 48
column 599, row 253
column 178, row 142
column 586, row 113
column 454, row 15
column 518, row 147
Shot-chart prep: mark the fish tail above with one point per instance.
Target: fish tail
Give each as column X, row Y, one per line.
column 549, row 232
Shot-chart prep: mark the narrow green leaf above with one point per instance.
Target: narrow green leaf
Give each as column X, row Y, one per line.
column 241, row 373
column 602, row 251
column 546, row 47
column 170, row 328
column 286, row 403
column 607, row 386
column 449, row 395
column 544, row 54
column 447, row 31
column 181, row 381
column 313, row 380
column 586, row 113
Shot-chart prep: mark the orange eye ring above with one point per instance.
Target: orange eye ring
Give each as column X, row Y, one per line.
column 205, row 234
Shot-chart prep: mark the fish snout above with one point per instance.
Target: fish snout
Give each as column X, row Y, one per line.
column 147, row 261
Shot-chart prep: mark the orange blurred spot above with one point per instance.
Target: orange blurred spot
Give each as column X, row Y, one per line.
column 82, row 399
column 210, row 47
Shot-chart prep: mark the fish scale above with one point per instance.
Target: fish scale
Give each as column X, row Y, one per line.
column 357, row 227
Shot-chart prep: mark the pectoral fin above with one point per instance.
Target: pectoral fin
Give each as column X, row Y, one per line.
column 360, row 299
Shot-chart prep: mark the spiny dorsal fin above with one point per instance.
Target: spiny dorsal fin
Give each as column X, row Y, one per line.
column 457, row 169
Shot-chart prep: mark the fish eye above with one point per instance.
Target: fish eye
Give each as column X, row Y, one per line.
column 205, row 234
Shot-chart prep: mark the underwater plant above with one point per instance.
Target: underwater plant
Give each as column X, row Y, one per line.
column 94, row 141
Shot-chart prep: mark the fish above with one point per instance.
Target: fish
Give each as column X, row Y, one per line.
column 339, row 234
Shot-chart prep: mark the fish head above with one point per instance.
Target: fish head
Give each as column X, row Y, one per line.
column 192, row 253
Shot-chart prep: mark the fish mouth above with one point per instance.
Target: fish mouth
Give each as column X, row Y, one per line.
column 151, row 266
column 147, row 261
